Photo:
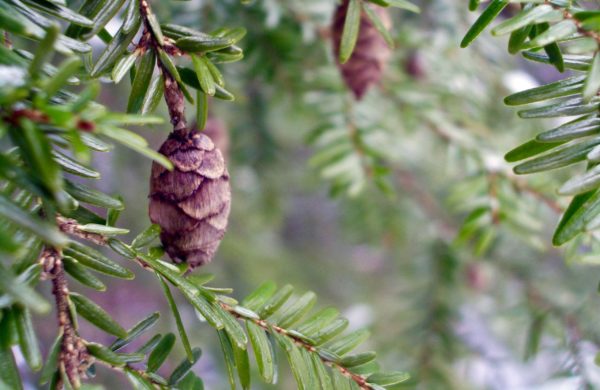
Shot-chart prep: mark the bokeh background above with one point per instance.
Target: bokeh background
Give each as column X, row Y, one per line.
column 445, row 256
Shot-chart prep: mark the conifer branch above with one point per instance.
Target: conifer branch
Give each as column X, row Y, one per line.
column 360, row 380
column 174, row 97
column 72, row 227
column 568, row 15
column 268, row 327
column 74, row 358
column 517, row 182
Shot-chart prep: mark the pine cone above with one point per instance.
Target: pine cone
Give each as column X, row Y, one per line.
column 191, row 203
column 371, row 53
column 217, row 131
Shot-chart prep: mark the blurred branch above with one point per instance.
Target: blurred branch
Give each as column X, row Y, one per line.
column 411, row 184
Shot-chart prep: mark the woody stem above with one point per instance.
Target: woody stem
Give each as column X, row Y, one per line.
column 173, row 94
column 73, row 356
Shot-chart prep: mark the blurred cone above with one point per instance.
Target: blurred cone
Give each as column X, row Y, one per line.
column 371, row 53
column 476, row 277
column 415, row 66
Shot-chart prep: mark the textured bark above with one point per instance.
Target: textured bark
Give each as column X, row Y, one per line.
column 175, row 101
column 371, row 54
column 191, row 203
column 74, row 359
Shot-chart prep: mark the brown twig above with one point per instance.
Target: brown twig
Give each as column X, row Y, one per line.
column 71, row 226
column 568, row 15
column 522, row 186
column 492, row 179
column 173, row 94
column 175, row 101
column 6, row 40
column 74, row 358
column 14, row 118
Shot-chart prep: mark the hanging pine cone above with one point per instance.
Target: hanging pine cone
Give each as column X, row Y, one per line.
column 217, row 131
column 371, row 53
column 191, row 203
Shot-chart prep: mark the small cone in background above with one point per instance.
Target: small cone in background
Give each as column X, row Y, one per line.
column 414, row 66
column 191, row 203
column 371, row 54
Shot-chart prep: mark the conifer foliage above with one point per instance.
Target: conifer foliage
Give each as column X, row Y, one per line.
column 61, row 233
column 57, row 228
column 562, row 34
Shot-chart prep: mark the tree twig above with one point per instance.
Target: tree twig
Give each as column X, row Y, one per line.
column 173, row 94
column 71, row 226
column 74, row 358
column 360, row 380
column 568, row 15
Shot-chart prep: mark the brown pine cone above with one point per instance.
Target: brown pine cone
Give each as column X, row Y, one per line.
column 217, row 131
column 371, row 53
column 191, row 203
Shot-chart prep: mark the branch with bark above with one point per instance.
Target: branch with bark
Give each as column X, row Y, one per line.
column 74, row 358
